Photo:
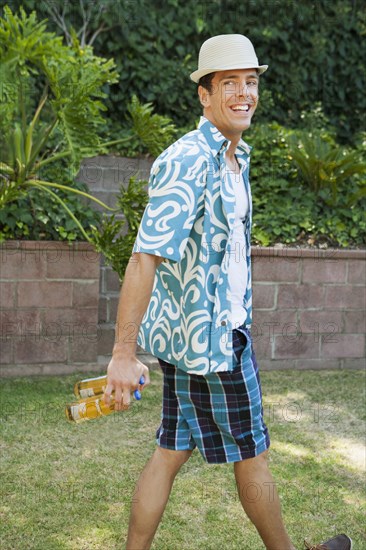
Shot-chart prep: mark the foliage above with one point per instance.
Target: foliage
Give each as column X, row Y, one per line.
column 323, row 164
column 115, row 237
column 315, row 52
column 30, row 218
column 147, row 132
column 73, row 79
column 286, row 211
column 38, row 216
column 155, row 131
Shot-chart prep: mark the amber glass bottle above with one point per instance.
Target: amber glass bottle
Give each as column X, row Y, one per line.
column 88, row 408
column 91, row 405
column 90, row 387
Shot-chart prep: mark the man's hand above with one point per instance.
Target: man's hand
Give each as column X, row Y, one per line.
column 123, row 376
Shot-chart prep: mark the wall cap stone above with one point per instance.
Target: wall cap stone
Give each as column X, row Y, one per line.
column 46, row 245
column 315, row 253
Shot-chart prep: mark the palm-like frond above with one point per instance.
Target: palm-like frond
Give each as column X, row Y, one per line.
column 324, row 164
column 155, row 131
column 71, row 103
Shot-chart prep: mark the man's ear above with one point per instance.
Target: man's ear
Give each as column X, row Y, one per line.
column 203, row 95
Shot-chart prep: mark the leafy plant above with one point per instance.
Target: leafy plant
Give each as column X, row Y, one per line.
column 155, row 131
column 146, row 131
column 30, row 218
column 307, row 45
column 70, row 102
column 323, row 164
column 286, row 210
column 115, row 237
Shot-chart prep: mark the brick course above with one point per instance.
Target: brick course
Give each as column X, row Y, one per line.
column 310, row 292
column 327, row 325
column 308, row 304
column 49, row 306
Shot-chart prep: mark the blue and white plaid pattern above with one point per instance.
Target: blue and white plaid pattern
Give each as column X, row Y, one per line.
column 189, row 220
column 220, row 413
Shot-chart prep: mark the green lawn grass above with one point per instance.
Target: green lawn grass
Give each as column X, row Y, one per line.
column 68, row 487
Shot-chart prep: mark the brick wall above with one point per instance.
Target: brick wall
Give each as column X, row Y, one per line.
column 49, row 307
column 308, row 304
column 104, row 176
column 309, row 308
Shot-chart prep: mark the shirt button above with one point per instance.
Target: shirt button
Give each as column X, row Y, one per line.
column 223, row 323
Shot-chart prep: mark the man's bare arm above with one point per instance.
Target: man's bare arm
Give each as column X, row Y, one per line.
column 124, row 369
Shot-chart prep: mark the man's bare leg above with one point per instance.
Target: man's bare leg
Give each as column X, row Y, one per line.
column 259, row 497
column 151, row 495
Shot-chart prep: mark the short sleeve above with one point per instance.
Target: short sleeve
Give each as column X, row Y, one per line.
column 171, row 211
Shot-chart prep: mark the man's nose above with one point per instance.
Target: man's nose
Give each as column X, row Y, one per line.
column 243, row 89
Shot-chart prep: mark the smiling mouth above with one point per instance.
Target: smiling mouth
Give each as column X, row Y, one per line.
column 242, row 108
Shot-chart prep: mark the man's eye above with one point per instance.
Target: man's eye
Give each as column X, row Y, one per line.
column 252, row 83
column 229, row 83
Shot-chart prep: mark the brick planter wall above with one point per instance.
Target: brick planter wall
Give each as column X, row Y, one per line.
column 309, row 308
column 49, row 307
column 308, row 304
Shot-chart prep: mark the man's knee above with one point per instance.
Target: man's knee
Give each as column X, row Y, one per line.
column 264, row 455
column 257, row 462
column 173, row 459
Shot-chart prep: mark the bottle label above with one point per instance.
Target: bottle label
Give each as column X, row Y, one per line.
column 86, row 392
column 78, row 411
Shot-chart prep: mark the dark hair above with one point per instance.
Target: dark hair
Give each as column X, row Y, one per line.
column 206, row 82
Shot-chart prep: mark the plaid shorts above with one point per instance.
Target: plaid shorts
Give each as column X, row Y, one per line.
column 220, row 413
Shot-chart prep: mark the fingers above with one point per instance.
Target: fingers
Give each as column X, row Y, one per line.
column 122, row 391
column 146, row 375
column 107, row 394
column 122, row 398
column 126, row 398
column 118, row 399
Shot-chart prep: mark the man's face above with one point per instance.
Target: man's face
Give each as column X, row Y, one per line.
column 232, row 101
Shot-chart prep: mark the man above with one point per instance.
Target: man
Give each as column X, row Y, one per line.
column 190, row 274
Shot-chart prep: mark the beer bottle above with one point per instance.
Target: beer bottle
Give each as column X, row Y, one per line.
column 88, row 408
column 89, row 387
column 92, row 405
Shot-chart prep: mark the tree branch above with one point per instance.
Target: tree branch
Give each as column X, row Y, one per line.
column 59, row 18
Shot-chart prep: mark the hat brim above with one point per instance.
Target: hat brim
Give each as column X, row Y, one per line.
column 196, row 75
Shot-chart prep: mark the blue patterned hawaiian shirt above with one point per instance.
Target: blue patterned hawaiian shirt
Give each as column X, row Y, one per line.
column 189, row 220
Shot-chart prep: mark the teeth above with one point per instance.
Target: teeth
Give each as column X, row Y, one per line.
column 241, row 108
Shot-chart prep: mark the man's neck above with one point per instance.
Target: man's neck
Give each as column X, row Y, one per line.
column 233, row 138
column 230, row 153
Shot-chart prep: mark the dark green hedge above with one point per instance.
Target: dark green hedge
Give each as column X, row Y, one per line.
column 315, row 49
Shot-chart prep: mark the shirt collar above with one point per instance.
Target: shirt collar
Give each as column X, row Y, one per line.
column 217, row 141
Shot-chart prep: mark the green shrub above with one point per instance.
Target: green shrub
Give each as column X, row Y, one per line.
column 315, row 52
column 45, row 133
column 66, row 111
column 323, row 164
column 115, row 237
column 30, row 218
column 287, row 210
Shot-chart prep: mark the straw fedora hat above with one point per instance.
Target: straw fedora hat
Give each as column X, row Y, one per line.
column 226, row 51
